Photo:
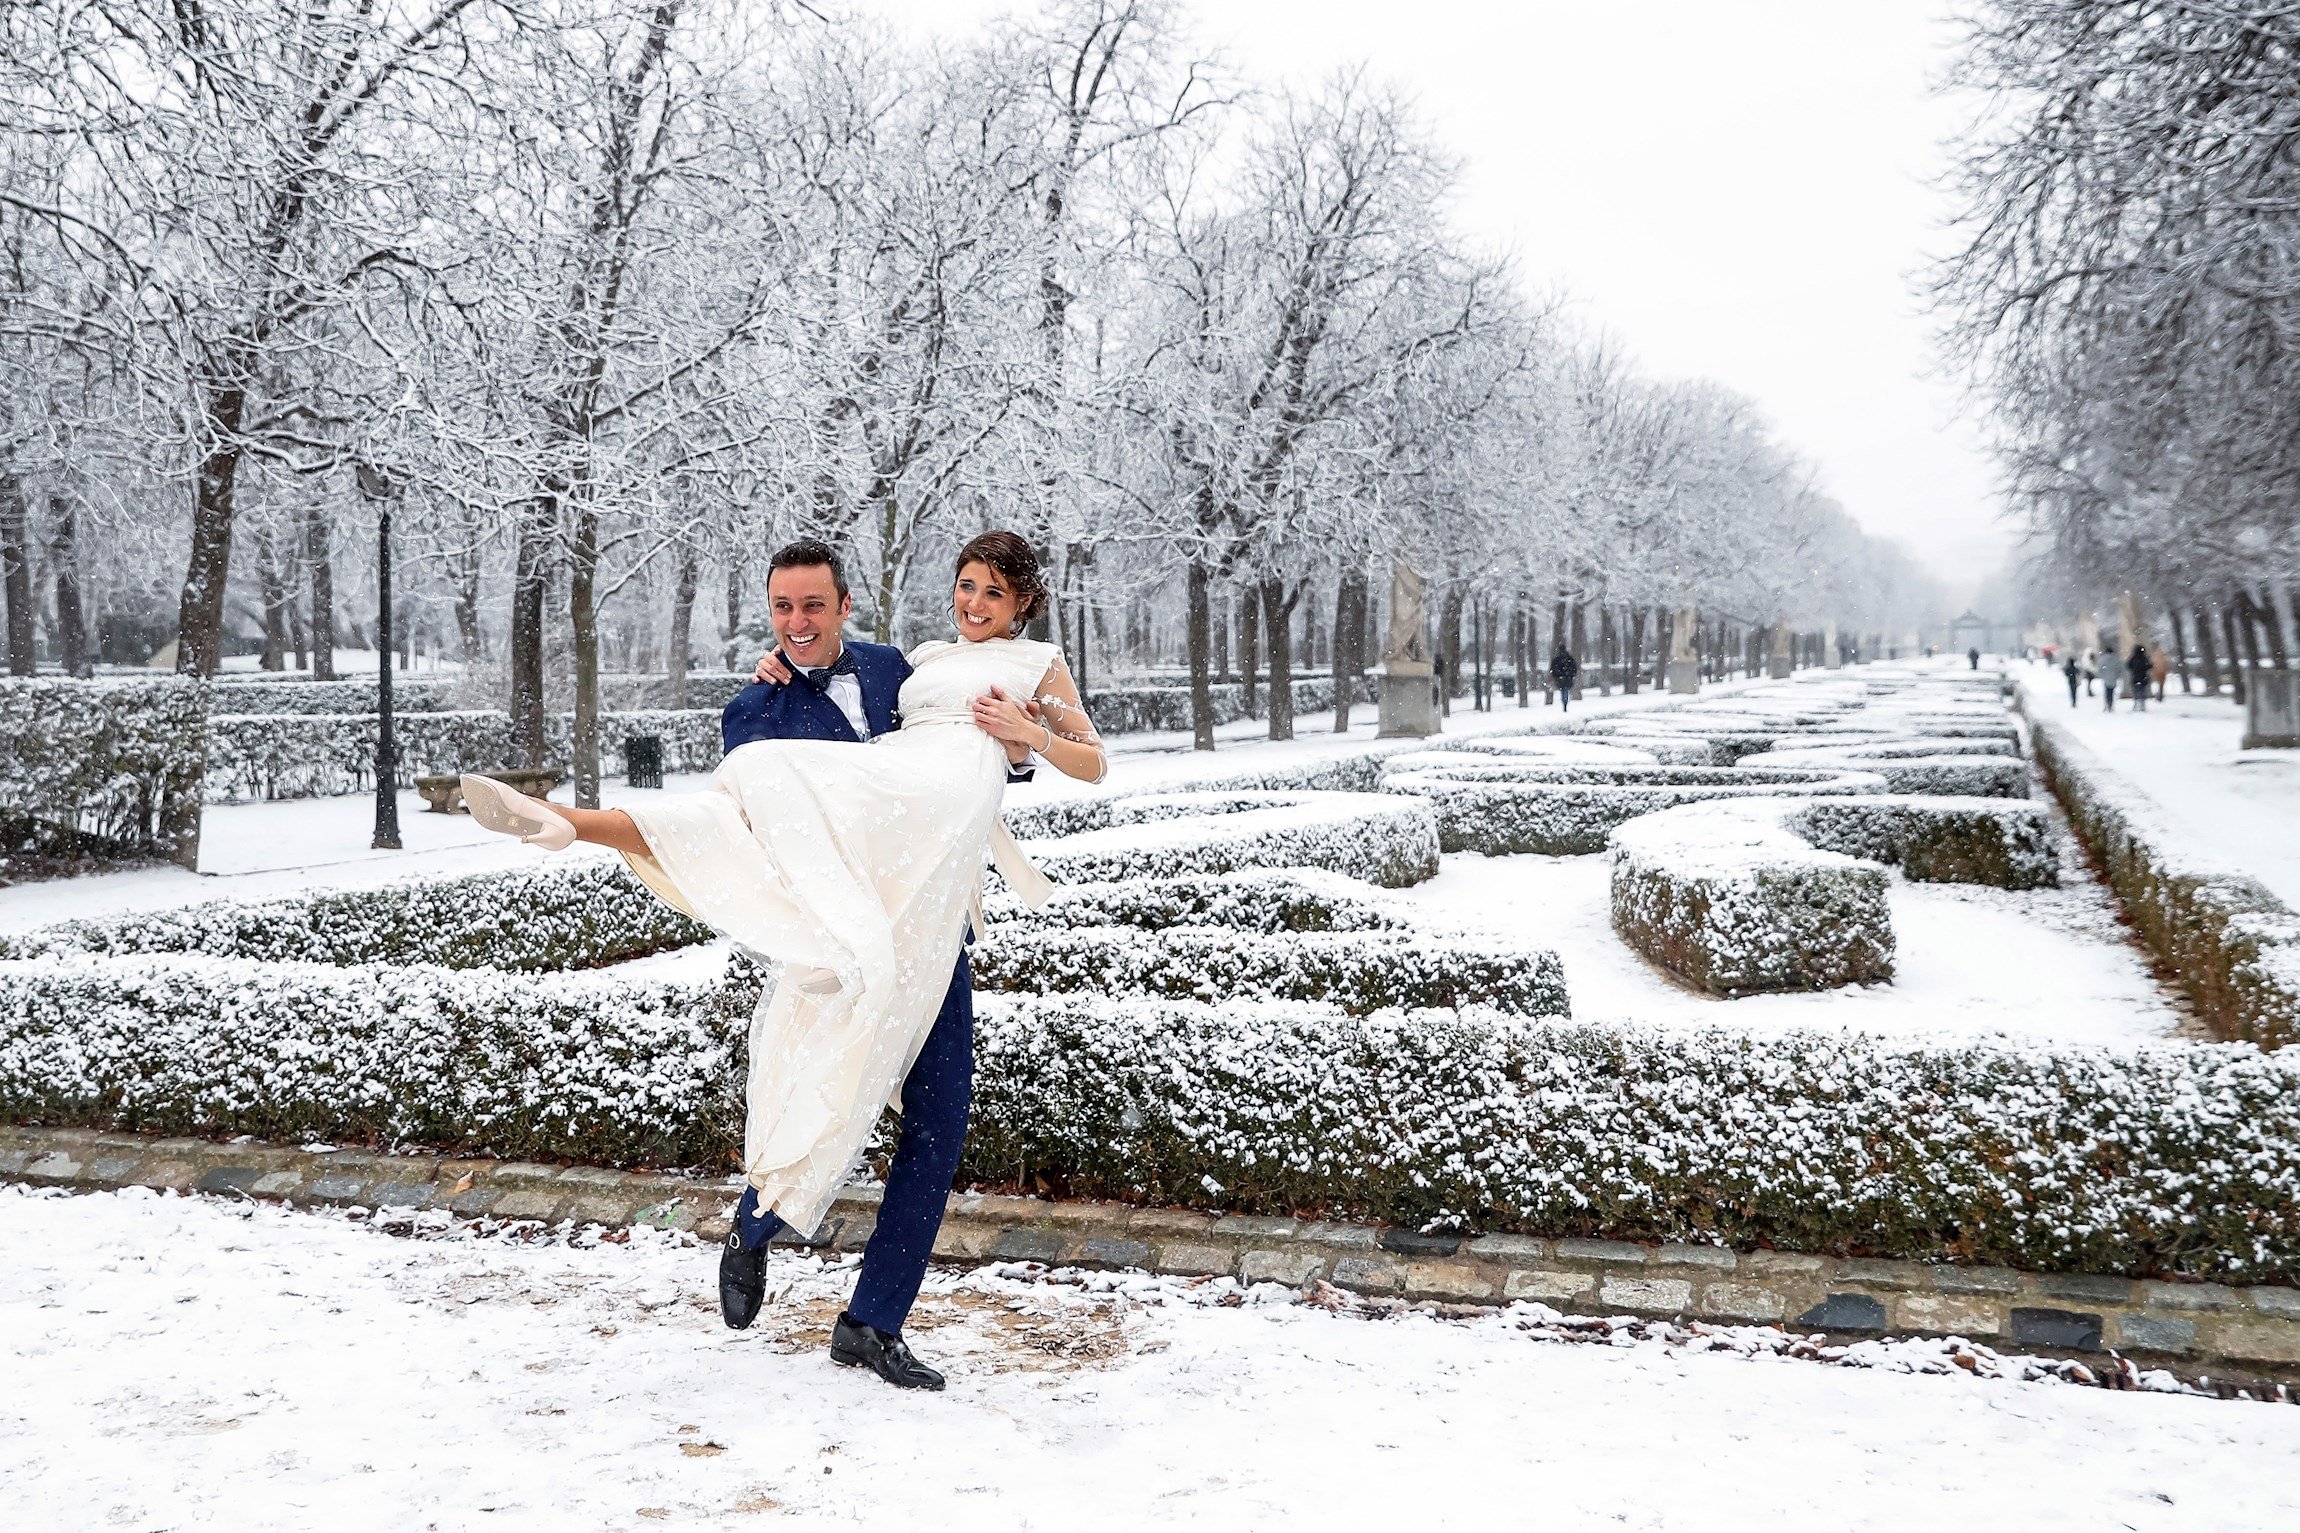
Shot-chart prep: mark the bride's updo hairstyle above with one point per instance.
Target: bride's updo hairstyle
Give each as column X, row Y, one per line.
column 1010, row 555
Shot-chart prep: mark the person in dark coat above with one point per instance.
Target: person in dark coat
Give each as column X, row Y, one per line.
column 1564, row 670
column 2137, row 666
column 2074, row 672
column 1973, row 657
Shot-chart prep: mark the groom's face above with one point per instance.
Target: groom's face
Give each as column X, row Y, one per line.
column 804, row 604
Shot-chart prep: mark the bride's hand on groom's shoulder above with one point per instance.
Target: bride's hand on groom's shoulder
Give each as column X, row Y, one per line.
column 771, row 669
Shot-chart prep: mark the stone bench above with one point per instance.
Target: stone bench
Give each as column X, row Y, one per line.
column 444, row 793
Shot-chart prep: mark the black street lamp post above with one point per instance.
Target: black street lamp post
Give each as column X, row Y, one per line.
column 378, row 487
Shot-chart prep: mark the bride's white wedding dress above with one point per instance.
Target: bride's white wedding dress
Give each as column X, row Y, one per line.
column 855, row 867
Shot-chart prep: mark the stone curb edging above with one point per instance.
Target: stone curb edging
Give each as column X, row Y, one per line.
column 2190, row 1323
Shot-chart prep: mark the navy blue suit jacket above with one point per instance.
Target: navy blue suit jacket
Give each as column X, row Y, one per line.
column 801, row 711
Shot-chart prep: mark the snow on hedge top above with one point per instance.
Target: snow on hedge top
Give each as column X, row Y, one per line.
column 1724, row 838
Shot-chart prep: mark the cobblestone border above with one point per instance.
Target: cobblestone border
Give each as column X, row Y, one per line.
column 2190, row 1324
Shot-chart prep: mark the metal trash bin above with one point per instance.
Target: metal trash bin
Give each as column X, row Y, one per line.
column 643, row 760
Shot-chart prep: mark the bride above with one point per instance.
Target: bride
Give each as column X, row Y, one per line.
column 857, row 870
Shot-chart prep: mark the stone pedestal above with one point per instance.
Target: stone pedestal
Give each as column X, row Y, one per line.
column 1409, row 701
column 1782, row 664
column 2272, row 711
column 1684, row 657
column 1832, row 652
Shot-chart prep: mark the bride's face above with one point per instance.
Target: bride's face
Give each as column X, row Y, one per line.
column 983, row 604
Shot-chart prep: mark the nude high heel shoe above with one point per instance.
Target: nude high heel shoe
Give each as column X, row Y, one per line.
column 507, row 811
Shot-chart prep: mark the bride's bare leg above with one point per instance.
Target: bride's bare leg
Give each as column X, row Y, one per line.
column 606, row 827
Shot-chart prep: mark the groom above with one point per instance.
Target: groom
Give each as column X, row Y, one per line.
column 817, row 687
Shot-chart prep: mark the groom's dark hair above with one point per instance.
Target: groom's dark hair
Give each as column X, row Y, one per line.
column 806, row 553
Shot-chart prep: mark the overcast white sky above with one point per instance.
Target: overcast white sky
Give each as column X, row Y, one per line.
column 1739, row 189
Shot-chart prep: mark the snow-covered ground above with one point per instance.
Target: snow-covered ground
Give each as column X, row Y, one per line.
column 186, row 1363
column 2241, row 807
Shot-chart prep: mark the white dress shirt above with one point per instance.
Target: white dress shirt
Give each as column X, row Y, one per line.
column 845, row 691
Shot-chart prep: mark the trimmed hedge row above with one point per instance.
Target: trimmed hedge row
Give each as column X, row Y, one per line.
column 2162, row 1159
column 1375, row 837
column 1500, row 808
column 1360, row 972
column 286, row 695
column 1731, row 901
column 1129, row 710
column 2234, row 945
column 562, row 914
column 1757, row 894
column 319, row 755
column 2147, row 1161
column 118, row 761
column 1268, row 902
column 586, row 1067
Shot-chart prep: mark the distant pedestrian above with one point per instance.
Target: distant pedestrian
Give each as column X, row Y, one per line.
column 2110, row 674
column 2138, row 666
column 2091, row 669
column 2074, row 673
column 1564, row 670
column 1973, row 658
column 2159, row 667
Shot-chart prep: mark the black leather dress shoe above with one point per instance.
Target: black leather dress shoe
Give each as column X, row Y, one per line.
column 862, row 1346
column 742, row 1280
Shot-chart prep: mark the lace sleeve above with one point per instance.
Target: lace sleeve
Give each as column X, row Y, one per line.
column 1060, row 707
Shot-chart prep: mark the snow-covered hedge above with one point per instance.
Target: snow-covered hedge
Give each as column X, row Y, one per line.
column 2235, row 946
column 1133, row 709
column 318, row 755
column 567, row 913
column 1371, row 836
column 1498, row 807
column 2159, row 1159
column 580, row 1066
column 1733, row 902
column 2152, row 1160
column 1755, row 894
column 118, row 761
column 1938, row 839
column 1979, row 770
column 1358, row 971
column 1268, row 902
column 288, row 696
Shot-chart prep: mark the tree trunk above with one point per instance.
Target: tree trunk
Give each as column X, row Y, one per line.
column 734, row 628
column 1220, row 622
column 1278, row 618
column 271, row 591
column 1449, row 645
column 1249, row 644
column 315, row 553
column 208, row 566
column 2237, row 649
column 16, row 578
column 1664, row 641
column 682, row 621
column 583, row 613
column 2179, row 644
column 1348, row 591
column 72, row 643
column 2205, row 649
column 1199, row 622
column 530, row 578
column 1634, row 672
column 1519, row 621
